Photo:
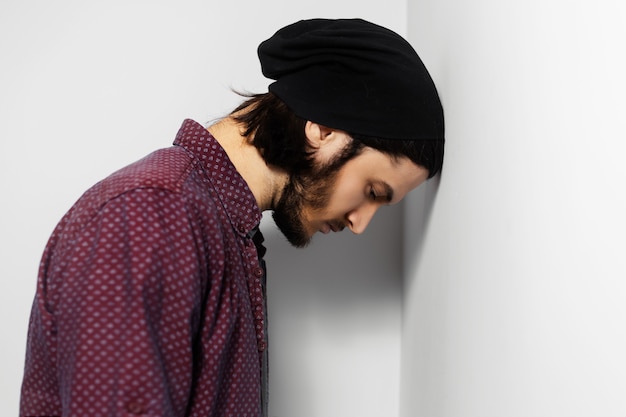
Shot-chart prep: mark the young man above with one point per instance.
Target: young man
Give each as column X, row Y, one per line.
column 150, row 297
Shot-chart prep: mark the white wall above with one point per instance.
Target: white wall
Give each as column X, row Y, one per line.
column 87, row 87
column 514, row 298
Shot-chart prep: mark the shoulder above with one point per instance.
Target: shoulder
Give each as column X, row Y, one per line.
column 159, row 178
column 165, row 169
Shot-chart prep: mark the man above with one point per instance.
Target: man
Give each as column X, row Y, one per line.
column 150, row 298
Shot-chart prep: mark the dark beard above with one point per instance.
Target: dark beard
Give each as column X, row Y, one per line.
column 312, row 192
column 288, row 217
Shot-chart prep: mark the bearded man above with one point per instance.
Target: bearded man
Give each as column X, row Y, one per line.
column 151, row 295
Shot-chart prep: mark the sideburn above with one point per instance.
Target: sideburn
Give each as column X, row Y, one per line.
column 316, row 188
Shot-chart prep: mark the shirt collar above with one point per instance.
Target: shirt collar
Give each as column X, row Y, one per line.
column 231, row 188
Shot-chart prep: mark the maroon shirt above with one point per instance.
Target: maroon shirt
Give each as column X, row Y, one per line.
column 149, row 298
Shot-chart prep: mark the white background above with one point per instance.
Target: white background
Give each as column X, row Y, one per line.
column 515, row 267
column 87, row 87
column 516, row 292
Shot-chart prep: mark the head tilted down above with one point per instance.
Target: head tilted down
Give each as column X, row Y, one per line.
column 352, row 111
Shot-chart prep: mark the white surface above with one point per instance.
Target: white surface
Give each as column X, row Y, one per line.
column 87, row 87
column 515, row 294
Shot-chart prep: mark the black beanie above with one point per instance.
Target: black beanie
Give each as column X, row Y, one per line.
column 353, row 75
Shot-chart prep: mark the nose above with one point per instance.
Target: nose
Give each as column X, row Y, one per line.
column 359, row 218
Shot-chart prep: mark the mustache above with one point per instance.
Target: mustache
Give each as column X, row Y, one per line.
column 337, row 226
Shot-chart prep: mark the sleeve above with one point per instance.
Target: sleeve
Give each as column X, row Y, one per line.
column 129, row 309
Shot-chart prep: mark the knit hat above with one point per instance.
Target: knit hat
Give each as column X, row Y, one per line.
column 353, row 75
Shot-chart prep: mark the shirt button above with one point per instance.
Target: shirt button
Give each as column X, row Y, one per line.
column 258, row 272
column 241, row 229
column 134, row 407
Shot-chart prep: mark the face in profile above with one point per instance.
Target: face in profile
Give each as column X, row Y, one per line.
column 334, row 198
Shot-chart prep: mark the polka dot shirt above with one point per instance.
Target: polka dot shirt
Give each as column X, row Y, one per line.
column 150, row 294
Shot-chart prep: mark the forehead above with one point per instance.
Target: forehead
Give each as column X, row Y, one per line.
column 399, row 173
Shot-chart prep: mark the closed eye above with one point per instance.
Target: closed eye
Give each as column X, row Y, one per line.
column 373, row 194
column 386, row 195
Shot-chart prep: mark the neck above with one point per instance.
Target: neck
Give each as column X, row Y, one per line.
column 265, row 181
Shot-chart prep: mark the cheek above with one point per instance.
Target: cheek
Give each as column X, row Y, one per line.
column 345, row 196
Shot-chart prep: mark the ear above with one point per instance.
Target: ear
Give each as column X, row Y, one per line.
column 317, row 135
column 325, row 142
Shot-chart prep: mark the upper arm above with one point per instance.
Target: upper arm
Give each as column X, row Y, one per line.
column 129, row 306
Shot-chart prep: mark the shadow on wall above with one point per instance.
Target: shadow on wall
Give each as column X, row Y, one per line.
column 337, row 271
column 418, row 210
column 334, row 307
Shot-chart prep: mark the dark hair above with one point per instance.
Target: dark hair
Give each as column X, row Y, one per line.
column 426, row 153
column 276, row 131
column 279, row 135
